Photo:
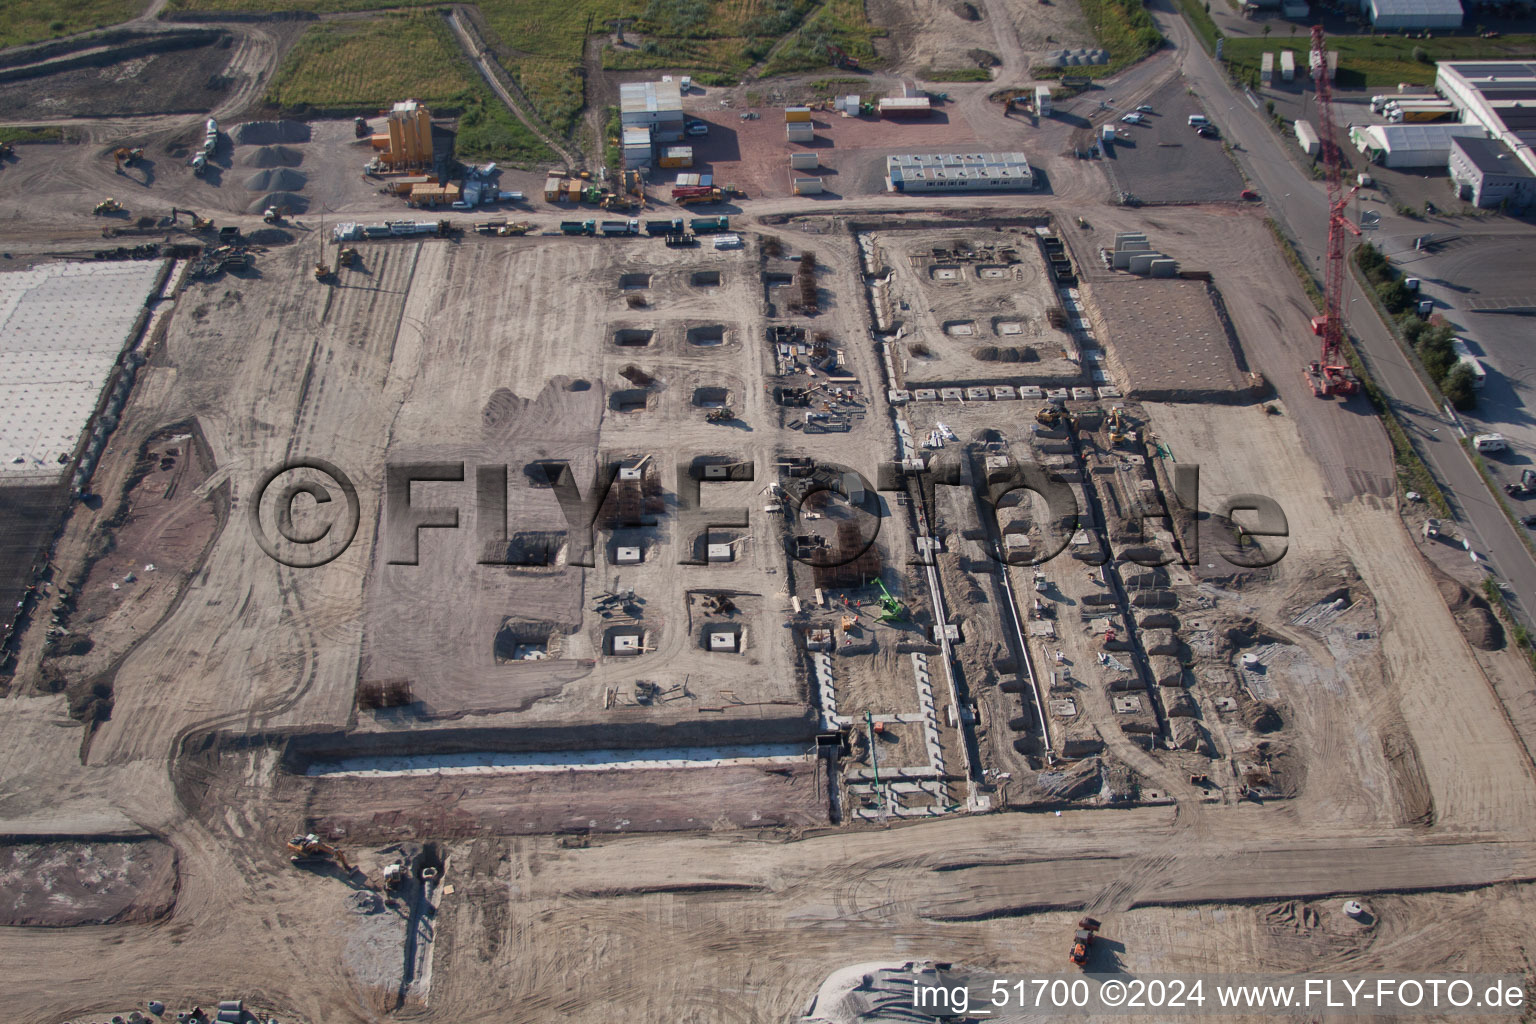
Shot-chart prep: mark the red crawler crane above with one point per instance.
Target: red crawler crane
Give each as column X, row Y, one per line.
column 1330, row 375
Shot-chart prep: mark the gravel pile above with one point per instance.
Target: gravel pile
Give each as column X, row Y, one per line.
column 269, row 133
column 277, row 179
column 273, row 156
column 291, row 201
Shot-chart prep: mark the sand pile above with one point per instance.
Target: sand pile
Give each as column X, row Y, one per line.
column 291, row 201
column 273, row 156
column 269, row 133
column 276, row 179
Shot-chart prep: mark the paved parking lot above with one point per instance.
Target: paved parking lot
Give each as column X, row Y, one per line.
column 1164, row 161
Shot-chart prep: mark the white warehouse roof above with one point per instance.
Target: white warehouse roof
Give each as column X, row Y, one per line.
column 62, row 329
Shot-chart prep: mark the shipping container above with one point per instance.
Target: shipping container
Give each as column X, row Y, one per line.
column 727, row 241
column 797, row 114
column 1287, row 66
column 803, row 161
column 805, row 186
column 1043, row 100
column 1306, row 138
column 708, row 225
column 1267, row 69
column 677, row 156
column 403, row 186
column 554, row 189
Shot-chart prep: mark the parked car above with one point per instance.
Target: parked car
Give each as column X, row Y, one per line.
column 1196, row 120
column 1208, row 131
column 1528, row 521
column 698, row 128
column 1249, row 193
column 1133, row 119
column 1145, row 109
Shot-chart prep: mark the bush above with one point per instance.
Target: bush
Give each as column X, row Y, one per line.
column 1460, row 387
column 1395, row 296
column 1422, row 55
column 1369, row 257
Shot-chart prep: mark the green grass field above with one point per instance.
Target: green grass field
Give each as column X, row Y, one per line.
column 365, row 66
column 31, row 21
column 371, row 64
column 1378, row 61
column 1123, row 27
column 541, row 42
column 27, row 134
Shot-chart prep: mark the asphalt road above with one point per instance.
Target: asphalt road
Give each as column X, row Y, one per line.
column 1299, row 204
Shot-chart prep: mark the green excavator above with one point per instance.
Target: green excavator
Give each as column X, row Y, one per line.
column 891, row 610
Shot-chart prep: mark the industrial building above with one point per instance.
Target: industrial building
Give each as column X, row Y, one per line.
column 1410, row 145
column 1394, row 15
column 950, row 172
column 654, row 105
column 406, row 142
column 1500, row 96
column 1486, row 173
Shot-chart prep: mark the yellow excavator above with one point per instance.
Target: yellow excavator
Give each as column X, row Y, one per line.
column 126, row 157
column 1119, row 425
column 1054, row 415
column 106, row 206
column 311, row 847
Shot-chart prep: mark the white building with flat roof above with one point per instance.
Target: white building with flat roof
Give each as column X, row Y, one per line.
column 953, row 172
column 1497, row 94
column 1411, row 145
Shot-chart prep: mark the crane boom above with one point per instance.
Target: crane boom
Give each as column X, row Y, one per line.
column 1330, row 375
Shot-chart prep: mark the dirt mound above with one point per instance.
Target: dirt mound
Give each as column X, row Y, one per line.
column 968, row 12
column 269, row 236
column 279, row 179
column 273, row 156
column 291, row 201
column 1262, row 718
column 269, row 133
column 1478, row 624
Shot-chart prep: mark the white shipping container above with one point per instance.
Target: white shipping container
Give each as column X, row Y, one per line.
column 1306, row 138
column 803, row 161
column 1287, row 65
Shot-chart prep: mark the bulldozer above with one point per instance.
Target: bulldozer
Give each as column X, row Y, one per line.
column 720, row 415
column 106, row 206
column 323, row 271
column 347, row 256
column 311, row 847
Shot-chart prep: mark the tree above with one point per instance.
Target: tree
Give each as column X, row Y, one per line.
column 1293, row 30
column 1421, row 55
column 1369, row 257
column 1437, row 356
column 1460, row 387
column 1266, row 30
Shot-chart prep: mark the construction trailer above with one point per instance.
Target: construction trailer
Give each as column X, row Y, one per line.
column 434, row 195
column 954, row 172
column 677, row 156
column 1306, row 138
column 805, row 186
column 1267, row 69
column 403, row 186
column 637, row 144
column 900, row 107
column 709, row 225
column 797, row 115
column 804, row 161
column 1043, row 100
column 1287, row 66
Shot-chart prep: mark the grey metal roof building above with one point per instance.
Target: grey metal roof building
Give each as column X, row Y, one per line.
column 657, row 105
column 1398, row 14
column 952, row 172
column 1486, row 173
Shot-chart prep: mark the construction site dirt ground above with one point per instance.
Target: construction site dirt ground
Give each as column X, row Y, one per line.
column 1406, row 752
